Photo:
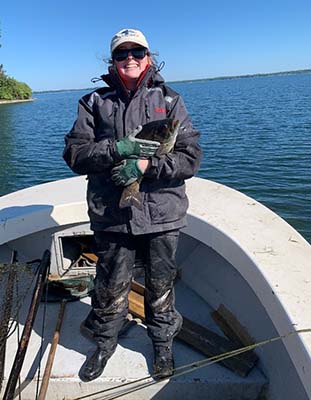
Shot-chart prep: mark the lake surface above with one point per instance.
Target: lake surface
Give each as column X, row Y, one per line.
column 255, row 134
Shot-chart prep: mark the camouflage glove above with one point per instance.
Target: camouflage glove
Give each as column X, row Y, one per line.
column 126, row 173
column 130, row 146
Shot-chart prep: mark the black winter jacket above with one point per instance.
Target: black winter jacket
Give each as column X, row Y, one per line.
column 107, row 115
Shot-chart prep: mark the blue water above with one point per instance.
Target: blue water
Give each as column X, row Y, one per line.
column 255, row 134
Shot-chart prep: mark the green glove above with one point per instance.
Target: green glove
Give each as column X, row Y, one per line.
column 130, row 146
column 126, row 173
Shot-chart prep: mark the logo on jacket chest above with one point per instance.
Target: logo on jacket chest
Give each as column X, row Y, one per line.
column 160, row 110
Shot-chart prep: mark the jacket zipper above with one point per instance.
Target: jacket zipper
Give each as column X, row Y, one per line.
column 147, row 113
column 115, row 110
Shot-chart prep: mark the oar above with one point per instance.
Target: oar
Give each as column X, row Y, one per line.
column 51, row 356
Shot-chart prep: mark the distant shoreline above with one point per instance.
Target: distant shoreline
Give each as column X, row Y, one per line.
column 300, row 71
column 15, row 101
column 297, row 72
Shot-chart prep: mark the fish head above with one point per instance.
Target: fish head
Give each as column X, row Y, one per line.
column 163, row 131
column 159, row 130
column 169, row 137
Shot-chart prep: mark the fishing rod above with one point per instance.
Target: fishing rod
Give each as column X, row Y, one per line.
column 143, row 382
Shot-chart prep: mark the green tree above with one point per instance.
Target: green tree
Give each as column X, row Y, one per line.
column 11, row 89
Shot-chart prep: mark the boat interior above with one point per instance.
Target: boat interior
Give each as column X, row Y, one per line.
column 205, row 282
column 238, row 263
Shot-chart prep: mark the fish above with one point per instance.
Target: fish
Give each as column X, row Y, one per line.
column 165, row 132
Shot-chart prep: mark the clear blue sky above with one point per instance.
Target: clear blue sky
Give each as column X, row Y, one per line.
column 53, row 44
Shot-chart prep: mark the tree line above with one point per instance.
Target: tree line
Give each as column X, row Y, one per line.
column 11, row 89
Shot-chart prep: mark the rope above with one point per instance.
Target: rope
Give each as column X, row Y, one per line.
column 19, row 302
column 189, row 368
column 11, row 302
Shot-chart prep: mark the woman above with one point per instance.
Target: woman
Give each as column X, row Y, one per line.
column 102, row 145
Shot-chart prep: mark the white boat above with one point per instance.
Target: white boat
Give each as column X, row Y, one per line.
column 234, row 252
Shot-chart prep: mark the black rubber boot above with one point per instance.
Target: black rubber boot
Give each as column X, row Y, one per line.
column 163, row 361
column 94, row 365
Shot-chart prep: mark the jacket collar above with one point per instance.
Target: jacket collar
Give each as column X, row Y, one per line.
column 148, row 78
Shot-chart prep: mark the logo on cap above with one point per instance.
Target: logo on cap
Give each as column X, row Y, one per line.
column 128, row 32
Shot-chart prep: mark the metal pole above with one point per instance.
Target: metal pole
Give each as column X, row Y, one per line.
column 50, row 360
column 23, row 343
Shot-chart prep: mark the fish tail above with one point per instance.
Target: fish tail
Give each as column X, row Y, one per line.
column 130, row 198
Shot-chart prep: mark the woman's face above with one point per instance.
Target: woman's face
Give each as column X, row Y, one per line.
column 130, row 68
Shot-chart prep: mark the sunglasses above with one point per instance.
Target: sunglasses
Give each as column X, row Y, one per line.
column 122, row 54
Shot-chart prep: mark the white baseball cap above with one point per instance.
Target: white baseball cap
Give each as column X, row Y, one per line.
column 128, row 35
